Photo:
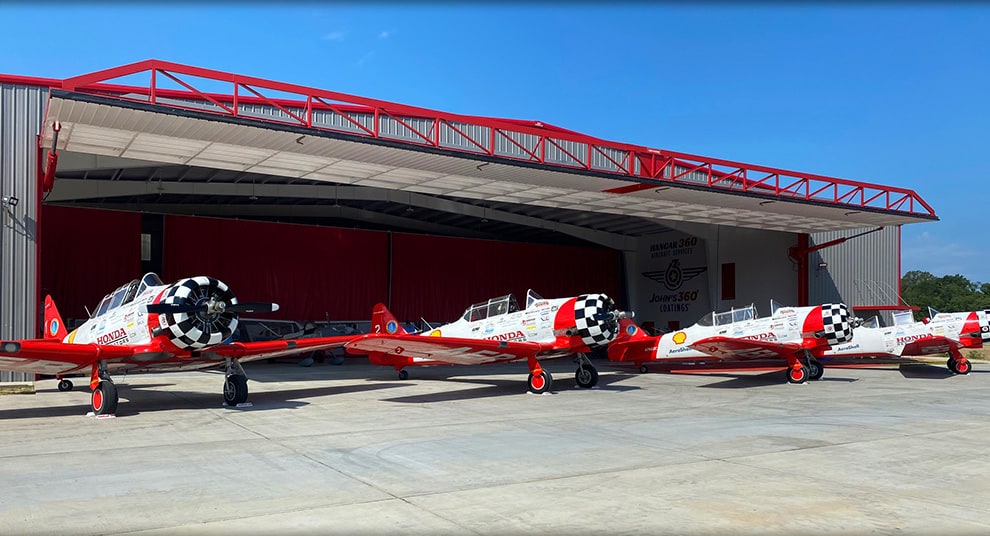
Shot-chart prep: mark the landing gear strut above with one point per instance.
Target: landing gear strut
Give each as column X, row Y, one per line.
column 586, row 374
column 815, row 369
column 104, row 398
column 235, row 388
column 540, row 380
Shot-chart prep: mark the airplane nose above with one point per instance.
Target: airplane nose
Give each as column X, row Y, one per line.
column 597, row 319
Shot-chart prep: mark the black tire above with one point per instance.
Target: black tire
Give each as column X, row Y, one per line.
column 64, row 385
column 963, row 367
column 815, row 370
column 235, row 390
column 797, row 375
column 403, row 374
column 643, row 369
column 586, row 376
column 104, row 399
column 540, row 383
column 951, row 363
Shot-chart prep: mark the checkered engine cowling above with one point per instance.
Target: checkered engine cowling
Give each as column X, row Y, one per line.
column 198, row 330
column 595, row 319
column 837, row 323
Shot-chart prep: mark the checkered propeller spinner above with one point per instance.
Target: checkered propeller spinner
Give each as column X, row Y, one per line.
column 837, row 325
column 596, row 320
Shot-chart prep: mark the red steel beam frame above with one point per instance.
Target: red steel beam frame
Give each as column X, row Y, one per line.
column 652, row 167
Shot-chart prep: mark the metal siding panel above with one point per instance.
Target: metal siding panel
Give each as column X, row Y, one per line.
column 22, row 111
column 861, row 271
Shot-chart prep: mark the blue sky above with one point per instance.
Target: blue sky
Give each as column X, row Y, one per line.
column 884, row 93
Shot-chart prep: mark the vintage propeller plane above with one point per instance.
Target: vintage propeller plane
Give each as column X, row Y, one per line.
column 149, row 326
column 498, row 331
column 796, row 336
column 907, row 339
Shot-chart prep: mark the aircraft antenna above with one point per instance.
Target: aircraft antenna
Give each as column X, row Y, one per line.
column 427, row 323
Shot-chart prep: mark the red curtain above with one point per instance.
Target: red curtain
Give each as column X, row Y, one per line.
column 438, row 278
column 313, row 273
column 86, row 254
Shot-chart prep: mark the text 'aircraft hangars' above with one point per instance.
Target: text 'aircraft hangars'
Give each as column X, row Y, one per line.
column 795, row 336
column 907, row 339
column 148, row 326
column 496, row 331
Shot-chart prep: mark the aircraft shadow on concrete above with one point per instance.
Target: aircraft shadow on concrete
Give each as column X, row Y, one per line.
column 135, row 402
column 743, row 381
column 507, row 387
column 933, row 372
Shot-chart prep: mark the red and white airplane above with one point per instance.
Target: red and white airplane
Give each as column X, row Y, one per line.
column 798, row 336
column 940, row 333
column 146, row 326
column 497, row 331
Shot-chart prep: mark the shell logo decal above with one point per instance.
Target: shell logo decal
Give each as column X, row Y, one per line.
column 680, row 337
column 435, row 333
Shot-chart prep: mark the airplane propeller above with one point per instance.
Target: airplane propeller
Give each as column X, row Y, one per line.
column 613, row 315
column 211, row 307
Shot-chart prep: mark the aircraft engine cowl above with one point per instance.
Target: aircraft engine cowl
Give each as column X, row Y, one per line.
column 833, row 323
column 207, row 326
column 596, row 319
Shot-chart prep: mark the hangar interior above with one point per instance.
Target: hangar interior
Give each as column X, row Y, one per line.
column 330, row 202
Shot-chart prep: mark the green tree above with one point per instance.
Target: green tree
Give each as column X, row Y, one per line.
column 950, row 293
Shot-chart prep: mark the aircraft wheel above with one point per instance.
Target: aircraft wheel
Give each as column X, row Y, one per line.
column 105, row 398
column 540, row 383
column 951, row 364
column 235, row 389
column 643, row 369
column 403, row 374
column 815, row 370
column 586, row 376
column 64, row 385
column 963, row 367
column 797, row 375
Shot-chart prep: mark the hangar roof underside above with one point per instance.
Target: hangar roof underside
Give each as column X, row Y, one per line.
column 179, row 155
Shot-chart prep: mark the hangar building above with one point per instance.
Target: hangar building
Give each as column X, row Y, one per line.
column 328, row 203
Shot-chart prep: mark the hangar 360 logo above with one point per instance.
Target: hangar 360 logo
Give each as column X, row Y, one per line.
column 674, row 276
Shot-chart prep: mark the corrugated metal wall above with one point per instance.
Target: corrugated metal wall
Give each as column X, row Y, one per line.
column 22, row 111
column 862, row 271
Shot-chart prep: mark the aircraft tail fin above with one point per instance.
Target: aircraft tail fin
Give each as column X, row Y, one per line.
column 54, row 327
column 632, row 343
column 384, row 322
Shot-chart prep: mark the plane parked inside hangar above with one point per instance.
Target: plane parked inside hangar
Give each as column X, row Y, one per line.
column 907, row 339
column 794, row 336
column 149, row 326
column 496, row 331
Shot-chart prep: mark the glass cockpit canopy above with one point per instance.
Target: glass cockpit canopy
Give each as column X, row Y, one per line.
column 125, row 293
column 729, row 317
column 493, row 307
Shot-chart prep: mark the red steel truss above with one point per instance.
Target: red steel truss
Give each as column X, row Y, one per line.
column 508, row 139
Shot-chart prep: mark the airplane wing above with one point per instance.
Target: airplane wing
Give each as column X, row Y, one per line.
column 935, row 345
column 42, row 356
column 445, row 349
column 745, row 349
column 252, row 351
